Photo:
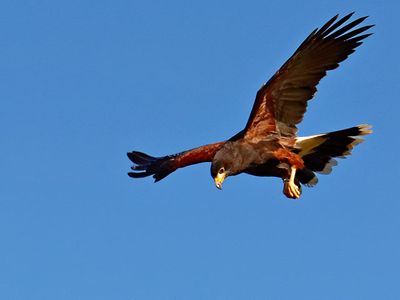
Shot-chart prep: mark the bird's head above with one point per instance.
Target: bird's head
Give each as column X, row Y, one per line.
column 226, row 162
column 219, row 172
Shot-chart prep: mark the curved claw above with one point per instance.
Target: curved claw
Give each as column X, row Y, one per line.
column 290, row 188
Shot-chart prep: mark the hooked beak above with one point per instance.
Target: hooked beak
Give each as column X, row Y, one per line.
column 219, row 179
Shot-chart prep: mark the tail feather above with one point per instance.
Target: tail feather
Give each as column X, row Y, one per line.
column 307, row 177
column 319, row 151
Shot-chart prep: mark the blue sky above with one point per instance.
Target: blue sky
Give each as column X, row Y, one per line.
column 84, row 82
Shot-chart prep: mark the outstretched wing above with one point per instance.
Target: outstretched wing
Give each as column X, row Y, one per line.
column 281, row 103
column 160, row 167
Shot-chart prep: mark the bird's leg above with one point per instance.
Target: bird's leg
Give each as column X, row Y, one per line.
column 290, row 189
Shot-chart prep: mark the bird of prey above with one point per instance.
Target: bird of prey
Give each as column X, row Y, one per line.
column 268, row 145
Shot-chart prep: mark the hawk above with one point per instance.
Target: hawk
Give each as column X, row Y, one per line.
column 268, row 145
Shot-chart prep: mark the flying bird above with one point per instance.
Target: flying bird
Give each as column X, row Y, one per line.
column 268, row 145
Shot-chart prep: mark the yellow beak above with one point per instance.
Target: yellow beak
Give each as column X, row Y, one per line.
column 219, row 179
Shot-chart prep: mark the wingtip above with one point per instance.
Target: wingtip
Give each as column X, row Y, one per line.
column 335, row 17
column 131, row 156
column 138, row 174
column 361, row 19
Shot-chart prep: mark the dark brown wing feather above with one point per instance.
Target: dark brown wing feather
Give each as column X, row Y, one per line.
column 160, row 167
column 281, row 103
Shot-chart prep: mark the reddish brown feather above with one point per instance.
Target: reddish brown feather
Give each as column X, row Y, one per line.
column 160, row 167
column 197, row 155
column 281, row 103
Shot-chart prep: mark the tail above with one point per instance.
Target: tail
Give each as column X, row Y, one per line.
column 319, row 151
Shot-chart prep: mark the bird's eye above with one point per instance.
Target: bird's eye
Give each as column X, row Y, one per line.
column 221, row 171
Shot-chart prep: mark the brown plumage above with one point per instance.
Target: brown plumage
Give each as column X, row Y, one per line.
column 268, row 145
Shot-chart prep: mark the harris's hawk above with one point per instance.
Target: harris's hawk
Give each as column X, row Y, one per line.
column 269, row 145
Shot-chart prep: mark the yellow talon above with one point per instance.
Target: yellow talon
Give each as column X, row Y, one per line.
column 290, row 189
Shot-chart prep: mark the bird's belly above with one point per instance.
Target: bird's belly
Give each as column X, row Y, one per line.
column 271, row 168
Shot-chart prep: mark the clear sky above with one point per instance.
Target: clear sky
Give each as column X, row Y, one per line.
column 84, row 82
